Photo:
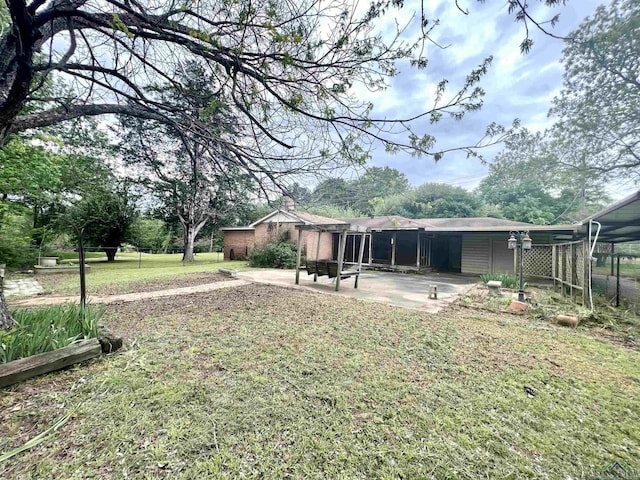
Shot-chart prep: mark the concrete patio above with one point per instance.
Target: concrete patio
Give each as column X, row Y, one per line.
column 398, row 289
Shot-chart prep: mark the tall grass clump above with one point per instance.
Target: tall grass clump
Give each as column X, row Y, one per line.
column 44, row 330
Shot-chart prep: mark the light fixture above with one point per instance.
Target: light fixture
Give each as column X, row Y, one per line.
column 524, row 242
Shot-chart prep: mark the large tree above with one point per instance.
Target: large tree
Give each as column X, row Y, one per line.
column 103, row 218
column 196, row 182
column 539, row 179
column 598, row 109
column 430, row 200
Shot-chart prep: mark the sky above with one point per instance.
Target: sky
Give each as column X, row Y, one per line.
column 517, row 86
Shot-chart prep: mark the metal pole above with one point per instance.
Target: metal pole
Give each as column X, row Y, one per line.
column 618, row 281
column 139, row 258
column 83, row 284
column 612, row 252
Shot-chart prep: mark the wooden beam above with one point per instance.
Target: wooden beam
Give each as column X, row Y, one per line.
column 370, row 248
column 298, row 256
column 586, row 272
column 25, row 368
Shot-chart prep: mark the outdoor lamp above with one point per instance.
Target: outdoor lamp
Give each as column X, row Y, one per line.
column 512, row 242
column 526, row 241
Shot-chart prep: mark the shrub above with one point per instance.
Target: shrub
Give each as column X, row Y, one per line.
column 44, row 330
column 508, row 281
column 274, row 255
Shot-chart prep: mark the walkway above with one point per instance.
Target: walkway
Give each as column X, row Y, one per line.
column 22, row 286
column 130, row 297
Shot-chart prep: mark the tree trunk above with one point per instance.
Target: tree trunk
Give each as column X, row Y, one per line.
column 111, row 254
column 6, row 321
column 189, row 240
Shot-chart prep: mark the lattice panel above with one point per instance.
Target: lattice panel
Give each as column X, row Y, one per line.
column 537, row 261
column 580, row 264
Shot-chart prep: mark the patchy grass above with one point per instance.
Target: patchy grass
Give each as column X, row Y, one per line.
column 157, row 271
column 263, row 382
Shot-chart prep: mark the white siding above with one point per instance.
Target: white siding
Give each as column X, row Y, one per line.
column 475, row 253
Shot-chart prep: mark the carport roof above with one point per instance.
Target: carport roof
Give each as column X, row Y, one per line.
column 620, row 222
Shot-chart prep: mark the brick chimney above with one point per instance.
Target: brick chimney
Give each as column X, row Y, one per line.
column 288, row 204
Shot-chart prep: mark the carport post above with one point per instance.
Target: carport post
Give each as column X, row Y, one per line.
column 298, row 254
column 363, row 237
column 418, row 250
column 341, row 246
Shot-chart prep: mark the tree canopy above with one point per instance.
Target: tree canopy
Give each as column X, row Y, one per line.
column 291, row 71
column 598, row 110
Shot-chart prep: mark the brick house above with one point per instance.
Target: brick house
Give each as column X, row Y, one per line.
column 463, row 245
column 279, row 225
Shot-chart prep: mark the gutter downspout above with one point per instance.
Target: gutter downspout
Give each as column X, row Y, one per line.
column 593, row 247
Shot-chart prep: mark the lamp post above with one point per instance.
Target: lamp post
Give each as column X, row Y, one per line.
column 522, row 240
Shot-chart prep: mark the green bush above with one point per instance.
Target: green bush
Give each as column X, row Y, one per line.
column 15, row 241
column 44, row 330
column 508, row 281
column 274, row 255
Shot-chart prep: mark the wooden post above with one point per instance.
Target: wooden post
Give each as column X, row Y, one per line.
column 341, row 246
column 418, row 250
column 393, row 249
column 573, row 272
column 298, row 255
column 370, row 248
column 563, row 268
column 553, row 265
column 315, row 275
column 363, row 238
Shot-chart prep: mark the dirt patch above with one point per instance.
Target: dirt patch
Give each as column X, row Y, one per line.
column 121, row 317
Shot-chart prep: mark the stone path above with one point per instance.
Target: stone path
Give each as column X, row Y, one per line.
column 22, row 286
column 130, row 297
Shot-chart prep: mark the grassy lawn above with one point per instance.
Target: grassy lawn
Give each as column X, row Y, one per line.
column 264, row 382
column 156, row 271
column 626, row 269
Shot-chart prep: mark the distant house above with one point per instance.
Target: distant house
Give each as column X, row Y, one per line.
column 463, row 245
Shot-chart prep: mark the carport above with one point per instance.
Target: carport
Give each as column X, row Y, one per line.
column 615, row 225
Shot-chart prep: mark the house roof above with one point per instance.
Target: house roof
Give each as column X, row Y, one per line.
column 396, row 222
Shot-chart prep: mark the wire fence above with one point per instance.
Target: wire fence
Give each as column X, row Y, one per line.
column 48, row 258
